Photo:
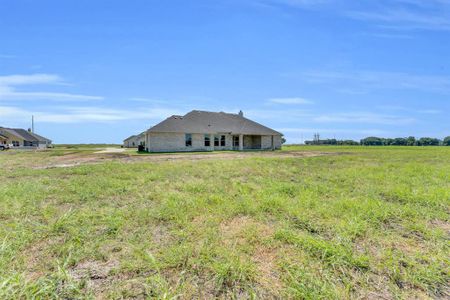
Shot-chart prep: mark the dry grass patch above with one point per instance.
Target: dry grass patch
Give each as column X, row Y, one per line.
column 244, row 230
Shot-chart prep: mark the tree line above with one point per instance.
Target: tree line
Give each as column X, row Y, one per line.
column 332, row 142
column 409, row 141
column 377, row 141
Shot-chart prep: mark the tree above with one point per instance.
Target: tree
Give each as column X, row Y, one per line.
column 388, row 142
column 349, row 143
column 427, row 141
column 446, row 141
column 372, row 141
column 411, row 141
column 283, row 140
column 399, row 142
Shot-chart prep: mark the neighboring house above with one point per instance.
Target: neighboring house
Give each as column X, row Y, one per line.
column 22, row 138
column 209, row 131
column 134, row 141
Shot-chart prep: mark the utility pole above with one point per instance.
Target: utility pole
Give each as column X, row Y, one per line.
column 32, row 124
column 316, row 138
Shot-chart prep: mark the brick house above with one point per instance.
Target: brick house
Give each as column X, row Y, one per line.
column 21, row 138
column 210, row 131
column 134, row 141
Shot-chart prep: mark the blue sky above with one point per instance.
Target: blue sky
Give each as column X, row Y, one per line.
column 101, row 70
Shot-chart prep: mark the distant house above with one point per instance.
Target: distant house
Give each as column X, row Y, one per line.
column 209, row 131
column 21, row 138
column 134, row 141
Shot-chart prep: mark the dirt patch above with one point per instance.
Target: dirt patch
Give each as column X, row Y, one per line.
column 95, row 273
column 240, row 229
column 72, row 160
column 111, row 150
column 443, row 225
column 161, row 235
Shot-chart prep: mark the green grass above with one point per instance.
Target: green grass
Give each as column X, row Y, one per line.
column 371, row 222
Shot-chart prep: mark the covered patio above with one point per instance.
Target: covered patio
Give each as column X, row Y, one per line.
column 252, row 142
column 247, row 142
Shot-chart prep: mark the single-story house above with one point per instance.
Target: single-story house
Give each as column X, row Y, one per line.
column 134, row 141
column 209, row 131
column 22, row 138
column 3, row 139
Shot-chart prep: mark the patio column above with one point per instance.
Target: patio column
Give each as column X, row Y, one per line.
column 211, row 142
column 241, row 142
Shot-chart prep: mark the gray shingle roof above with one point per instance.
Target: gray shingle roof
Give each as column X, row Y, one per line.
column 25, row 135
column 140, row 135
column 212, row 122
column 129, row 138
column 40, row 137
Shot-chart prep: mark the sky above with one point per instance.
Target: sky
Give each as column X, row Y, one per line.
column 98, row 71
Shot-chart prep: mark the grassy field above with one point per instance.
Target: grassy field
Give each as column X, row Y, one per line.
column 368, row 223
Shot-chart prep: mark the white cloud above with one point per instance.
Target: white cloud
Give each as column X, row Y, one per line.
column 147, row 100
column 392, row 15
column 13, row 80
column 10, row 112
column 407, row 14
column 286, row 115
column 353, row 117
column 410, row 110
column 86, row 114
column 430, row 111
column 13, row 95
column 403, row 19
column 372, row 80
column 4, row 55
column 9, row 83
column 330, row 130
column 295, row 100
column 363, row 117
column 293, row 3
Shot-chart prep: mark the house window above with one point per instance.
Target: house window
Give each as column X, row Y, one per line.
column 207, row 140
column 236, row 141
column 15, row 143
column 222, row 141
column 216, row 141
column 188, row 140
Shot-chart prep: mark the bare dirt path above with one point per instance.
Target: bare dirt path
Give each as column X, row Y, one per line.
column 111, row 150
column 72, row 160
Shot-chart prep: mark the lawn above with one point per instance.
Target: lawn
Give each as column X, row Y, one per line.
column 360, row 222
